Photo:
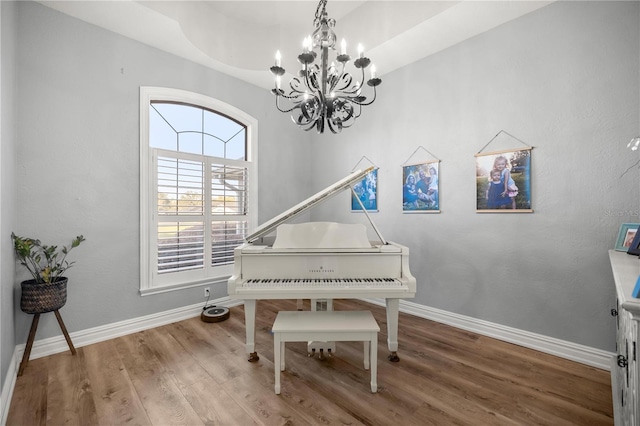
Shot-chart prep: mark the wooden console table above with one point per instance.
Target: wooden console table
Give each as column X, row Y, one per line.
column 625, row 365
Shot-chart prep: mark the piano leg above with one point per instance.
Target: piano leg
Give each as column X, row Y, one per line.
column 250, row 327
column 393, row 306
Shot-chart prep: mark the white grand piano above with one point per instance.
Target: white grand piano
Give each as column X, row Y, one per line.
column 320, row 260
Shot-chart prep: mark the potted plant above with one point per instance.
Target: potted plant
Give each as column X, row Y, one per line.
column 47, row 290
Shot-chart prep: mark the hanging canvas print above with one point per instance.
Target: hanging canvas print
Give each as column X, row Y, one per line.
column 503, row 181
column 420, row 188
column 367, row 192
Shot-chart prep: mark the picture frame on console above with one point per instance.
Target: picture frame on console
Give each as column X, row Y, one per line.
column 634, row 248
column 626, row 235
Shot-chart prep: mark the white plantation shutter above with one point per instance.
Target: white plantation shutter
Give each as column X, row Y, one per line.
column 229, row 204
column 180, row 187
column 226, row 236
column 197, row 208
column 180, row 210
column 199, row 221
column 180, row 246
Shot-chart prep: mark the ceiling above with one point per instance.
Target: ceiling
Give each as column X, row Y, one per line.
column 240, row 37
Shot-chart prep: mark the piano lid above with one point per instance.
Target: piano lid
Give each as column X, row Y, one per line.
column 321, row 196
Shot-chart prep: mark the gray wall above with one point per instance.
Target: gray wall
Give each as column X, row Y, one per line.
column 565, row 80
column 78, row 158
column 7, row 186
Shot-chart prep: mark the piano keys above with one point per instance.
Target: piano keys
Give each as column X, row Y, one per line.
column 320, row 260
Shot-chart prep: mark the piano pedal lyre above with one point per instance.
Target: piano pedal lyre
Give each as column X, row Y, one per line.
column 321, row 348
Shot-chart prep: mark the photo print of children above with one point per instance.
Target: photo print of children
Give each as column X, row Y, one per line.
column 503, row 181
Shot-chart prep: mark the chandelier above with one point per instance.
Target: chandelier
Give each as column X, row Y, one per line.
column 324, row 94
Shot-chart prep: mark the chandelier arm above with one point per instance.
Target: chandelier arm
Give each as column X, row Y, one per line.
column 284, row 110
column 367, row 103
column 355, row 90
column 298, row 83
column 352, row 94
column 292, row 98
column 334, row 131
column 346, row 80
column 293, row 93
column 357, row 115
column 302, row 120
column 333, row 79
column 307, row 79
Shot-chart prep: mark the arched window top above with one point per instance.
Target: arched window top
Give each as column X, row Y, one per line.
column 193, row 129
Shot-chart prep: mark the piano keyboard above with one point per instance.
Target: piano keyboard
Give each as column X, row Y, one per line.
column 324, row 283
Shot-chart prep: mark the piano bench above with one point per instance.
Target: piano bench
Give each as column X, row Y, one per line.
column 341, row 326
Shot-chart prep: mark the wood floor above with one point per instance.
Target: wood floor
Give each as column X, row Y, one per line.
column 195, row 373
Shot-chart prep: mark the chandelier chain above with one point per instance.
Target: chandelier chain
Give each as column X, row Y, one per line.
column 319, row 13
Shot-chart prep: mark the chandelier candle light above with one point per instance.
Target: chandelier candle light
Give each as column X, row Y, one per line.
column 324, row 93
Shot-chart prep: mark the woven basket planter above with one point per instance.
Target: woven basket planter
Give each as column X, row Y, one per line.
column 38, row 298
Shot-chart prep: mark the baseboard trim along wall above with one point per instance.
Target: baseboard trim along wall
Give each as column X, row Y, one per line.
column 574, row 352
column 561, row 348
column 57, row 344
column 8, row 386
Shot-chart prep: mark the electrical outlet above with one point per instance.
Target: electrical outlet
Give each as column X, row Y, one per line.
column 206, row 292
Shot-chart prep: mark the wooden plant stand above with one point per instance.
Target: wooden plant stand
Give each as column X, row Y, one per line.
column 32, row 335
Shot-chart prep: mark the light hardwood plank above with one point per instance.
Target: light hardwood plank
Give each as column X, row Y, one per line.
column 69, row 390
column 29, row 401
column 116, row 400
column 159, row 394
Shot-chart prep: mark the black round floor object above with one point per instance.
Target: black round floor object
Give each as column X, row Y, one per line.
column 214, row 314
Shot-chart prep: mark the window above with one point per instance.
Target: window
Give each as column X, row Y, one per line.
column 198, row 188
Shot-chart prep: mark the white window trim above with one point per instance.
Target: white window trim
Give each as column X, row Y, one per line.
column 148, row 94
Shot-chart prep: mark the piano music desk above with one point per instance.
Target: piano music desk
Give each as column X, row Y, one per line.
column 341, row 326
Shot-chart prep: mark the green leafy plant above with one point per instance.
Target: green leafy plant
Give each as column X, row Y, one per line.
column 45, row 263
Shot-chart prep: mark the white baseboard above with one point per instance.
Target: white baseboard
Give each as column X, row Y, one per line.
column 571, row 351
column 568, row 350
column 7, row 388
column 57, row 344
